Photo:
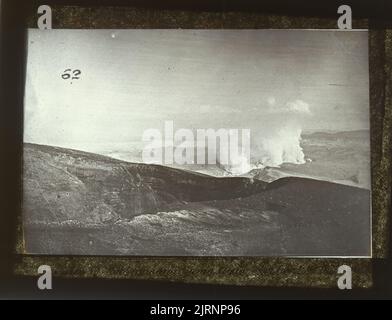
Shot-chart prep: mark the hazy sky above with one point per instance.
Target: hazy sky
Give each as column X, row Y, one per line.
column 132, row 80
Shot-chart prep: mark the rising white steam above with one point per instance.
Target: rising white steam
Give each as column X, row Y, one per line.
column 277, row 140
column 282, row 145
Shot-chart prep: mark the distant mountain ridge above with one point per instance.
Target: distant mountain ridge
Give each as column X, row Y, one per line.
column 354, row 134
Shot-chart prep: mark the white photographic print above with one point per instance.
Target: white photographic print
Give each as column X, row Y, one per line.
column 197, row 143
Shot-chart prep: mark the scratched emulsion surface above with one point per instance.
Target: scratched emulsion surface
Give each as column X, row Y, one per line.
column 257, row 271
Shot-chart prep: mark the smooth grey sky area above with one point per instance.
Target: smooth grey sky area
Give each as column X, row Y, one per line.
column 132, row 80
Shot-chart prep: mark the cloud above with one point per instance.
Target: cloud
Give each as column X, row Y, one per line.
column 298, row 106
column 217, row 109
column 291, row 107
column 271, row 101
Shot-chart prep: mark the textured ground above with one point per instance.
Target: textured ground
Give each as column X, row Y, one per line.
column 81, row 203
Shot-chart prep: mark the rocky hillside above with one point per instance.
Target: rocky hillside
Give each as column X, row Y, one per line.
column 62, row 184
column 82, row 203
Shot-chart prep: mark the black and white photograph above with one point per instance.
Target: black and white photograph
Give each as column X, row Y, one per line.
column 175, row 142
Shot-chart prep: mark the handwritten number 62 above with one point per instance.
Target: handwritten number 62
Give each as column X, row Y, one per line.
column 71, row 74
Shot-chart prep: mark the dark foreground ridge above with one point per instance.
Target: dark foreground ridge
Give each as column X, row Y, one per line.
column 82, row 203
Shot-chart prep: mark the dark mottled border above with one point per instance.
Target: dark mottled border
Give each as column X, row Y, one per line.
column 268, row 272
